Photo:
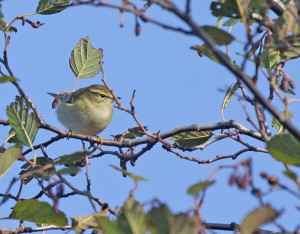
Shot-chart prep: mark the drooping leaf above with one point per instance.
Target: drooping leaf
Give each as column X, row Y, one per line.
column 276, row 124
column 231, row 22
column 204, row 50
column 198, row 187
column 70, row 159
column 131, row 175
column 219, row 36
column 82, row 223
column 3, row 25
column 256, row 218
column 161, row 220
column 291, row 175
column 47, row 7
column 229, row 94
column 132, row 133
column 270, row 58
column 4, row 79
column 24, row 123
column 9, row 157
column 191, row 139
column 285, row 148
column 38, row 212
column 133, row 218
column 86, row 61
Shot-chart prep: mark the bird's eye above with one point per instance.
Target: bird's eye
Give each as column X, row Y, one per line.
column 102, row 95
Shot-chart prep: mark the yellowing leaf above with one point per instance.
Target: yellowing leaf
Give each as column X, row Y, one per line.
column 256, row 218
column 82, row 223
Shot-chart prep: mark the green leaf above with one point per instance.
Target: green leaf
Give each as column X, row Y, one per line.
column 132, row 133
column 285, row 148
column 270, row 58
column 68, row 170
column 109, row 227
column 133, row 219
column 45, row 7
column 86, row 61
column 199, row 187
column 231, row 22
column 256, row 218
column 82, row 223
column 227, row 8
column 25, row 124
column 204, row 50
column 38, row 212
column 229, row 94
column 219, row 36
column 276, row 124
column 131, row 175
column 162, row 220
column 9, row 157
column 3, row 25
column 291, row 175
column 4, row 79
column 287, row 24
column 70, row 159
column 191, row 139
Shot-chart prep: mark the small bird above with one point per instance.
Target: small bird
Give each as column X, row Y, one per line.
column 86, row 111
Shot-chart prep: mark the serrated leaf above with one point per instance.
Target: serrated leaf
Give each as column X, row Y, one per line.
column 191, row 139
column 276, row 124
column 9, row 157
column 228, row 96
column 70, row 158
column 24, row 123
column 256, row 218
column 4, row 79
column 219, row 36
column 199, row 187
column 204, row 50
column 45, row 7
column 38, row 212
column 131, row 175
column 86, row 61
column 82, row 223
column 162, row 220
column 285, row 148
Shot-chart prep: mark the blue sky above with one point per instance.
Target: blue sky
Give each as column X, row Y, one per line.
column 175, row 87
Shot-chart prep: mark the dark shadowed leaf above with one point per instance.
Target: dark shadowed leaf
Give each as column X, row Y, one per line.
column 70, row 158
column 38, row 212
column 204, row 50
column 219, row 36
